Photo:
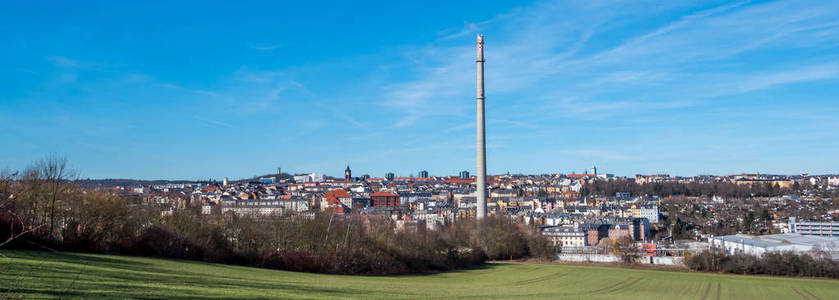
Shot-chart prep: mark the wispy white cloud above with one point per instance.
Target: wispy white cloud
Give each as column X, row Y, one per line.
column 195, row 91
column 63, row 62
column 65, row 78
column 267, row 47
column 137, row 78
column 212, row 121
column 592, row 109
column 460, row 127
column 471, row 28
column 258, row 76
column 803, row 74
column 555, row 50
column 429, row 96
column 513, row 123
column 257, row 91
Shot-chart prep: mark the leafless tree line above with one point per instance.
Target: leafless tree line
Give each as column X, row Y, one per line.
column 699, row 189
column 815, row 264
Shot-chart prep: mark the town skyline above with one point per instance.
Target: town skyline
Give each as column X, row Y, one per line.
column 642, row 87
column 356, row 173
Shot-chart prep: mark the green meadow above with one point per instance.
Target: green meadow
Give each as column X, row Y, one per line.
column 35, row 275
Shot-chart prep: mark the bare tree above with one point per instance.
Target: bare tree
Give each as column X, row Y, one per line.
column 10, row 191
column 7, row 180
column 627, row 249
column 53, row 170
column 35, row 192
column 23, row 230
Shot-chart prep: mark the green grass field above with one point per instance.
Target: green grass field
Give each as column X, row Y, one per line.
column 25, row 274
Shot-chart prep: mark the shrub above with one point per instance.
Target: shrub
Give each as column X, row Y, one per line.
column 771, row 263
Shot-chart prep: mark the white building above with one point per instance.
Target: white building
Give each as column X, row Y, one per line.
column 758, row 245
column 264, row 207
column 605, row 176
column 650, row 212
column 814, row 228
column 254, row 211
column 314, row 177
column 565, row 236
column 294, row 205
column 576, row 187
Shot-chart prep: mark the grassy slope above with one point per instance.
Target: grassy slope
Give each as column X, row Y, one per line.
column 69, row 275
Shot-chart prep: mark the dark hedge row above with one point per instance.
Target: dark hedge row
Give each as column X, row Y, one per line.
column 817, row 264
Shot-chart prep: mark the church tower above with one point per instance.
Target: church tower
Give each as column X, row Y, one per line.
column 347, row 174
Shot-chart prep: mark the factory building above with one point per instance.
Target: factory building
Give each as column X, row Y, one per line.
column 814, row 228
column 757, row 245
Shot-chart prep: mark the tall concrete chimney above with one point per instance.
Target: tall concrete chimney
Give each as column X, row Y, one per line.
column 481, row 147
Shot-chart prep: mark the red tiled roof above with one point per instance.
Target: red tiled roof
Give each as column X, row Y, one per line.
column 211, row 188
column 459, row 180
column 339, row 193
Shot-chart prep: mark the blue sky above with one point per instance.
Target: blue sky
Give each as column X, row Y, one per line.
column 206, row 89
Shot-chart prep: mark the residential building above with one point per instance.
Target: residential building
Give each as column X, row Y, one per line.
column 774, row 182
column 385, row 199
column 314, row 177
column 619, row 231
column 565, row 236
column 650, row 212
column 340, row 196
column 595, row 232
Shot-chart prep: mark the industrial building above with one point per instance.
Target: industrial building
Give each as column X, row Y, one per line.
column 757, row 245
column 814, row 228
